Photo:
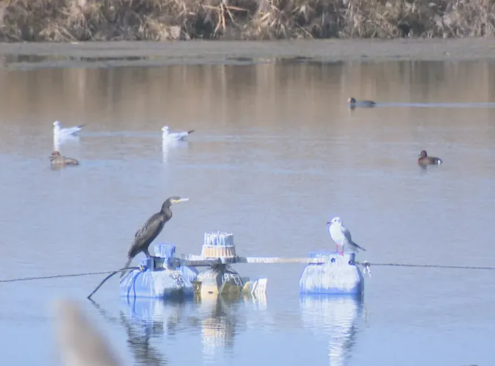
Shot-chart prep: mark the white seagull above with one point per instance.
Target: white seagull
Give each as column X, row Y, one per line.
column 61, row 132
column 341, row 236
column 174, row 135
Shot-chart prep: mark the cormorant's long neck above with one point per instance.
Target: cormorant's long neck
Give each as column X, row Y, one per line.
column 166, row 211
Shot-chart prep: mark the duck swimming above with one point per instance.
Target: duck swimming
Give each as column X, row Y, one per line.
column 58, row 160
column 353, row 103
column 424, row 159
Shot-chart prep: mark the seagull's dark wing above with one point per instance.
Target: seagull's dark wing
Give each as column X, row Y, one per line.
column 347, row 234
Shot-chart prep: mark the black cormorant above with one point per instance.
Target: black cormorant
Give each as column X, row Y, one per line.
column 151, row 229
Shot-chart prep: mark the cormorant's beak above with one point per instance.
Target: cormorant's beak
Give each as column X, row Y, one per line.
column 180, row 200
column 329, row 222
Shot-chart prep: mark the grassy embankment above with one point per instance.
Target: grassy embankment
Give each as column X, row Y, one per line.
column 85, row 20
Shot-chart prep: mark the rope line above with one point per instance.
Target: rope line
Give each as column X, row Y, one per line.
column 108, row 277
column 364, row 263
column 55, row 276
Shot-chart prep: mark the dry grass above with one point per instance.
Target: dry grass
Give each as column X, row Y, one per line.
column 159, row 20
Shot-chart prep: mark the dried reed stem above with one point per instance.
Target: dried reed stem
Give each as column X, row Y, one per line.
column 85, row 20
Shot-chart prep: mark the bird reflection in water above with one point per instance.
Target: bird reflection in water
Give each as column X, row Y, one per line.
column 335, row 317
column 139, row 336
column 144, row 320
column 215, row 317
column 169, row 145
column 58, row 141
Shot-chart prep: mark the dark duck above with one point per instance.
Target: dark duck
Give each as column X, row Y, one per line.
column 353, row 103
column 58, row 160
column 424, row 159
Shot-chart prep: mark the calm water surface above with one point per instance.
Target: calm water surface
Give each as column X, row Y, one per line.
column 276, row 154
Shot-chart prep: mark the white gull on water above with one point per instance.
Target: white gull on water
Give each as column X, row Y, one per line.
column 341, row 236
column 62, row 132
column 174, row 135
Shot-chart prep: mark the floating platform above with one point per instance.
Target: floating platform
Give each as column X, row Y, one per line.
column 224, row 280
column 167, row 274
column 337, row 275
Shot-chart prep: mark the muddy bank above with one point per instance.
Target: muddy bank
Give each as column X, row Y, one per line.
column 159, row 20
column 111, row 54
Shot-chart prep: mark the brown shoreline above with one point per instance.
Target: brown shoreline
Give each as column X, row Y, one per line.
column 146, row 53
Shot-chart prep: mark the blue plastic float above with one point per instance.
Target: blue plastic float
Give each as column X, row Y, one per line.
column 337, row 275
column 164, row 276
